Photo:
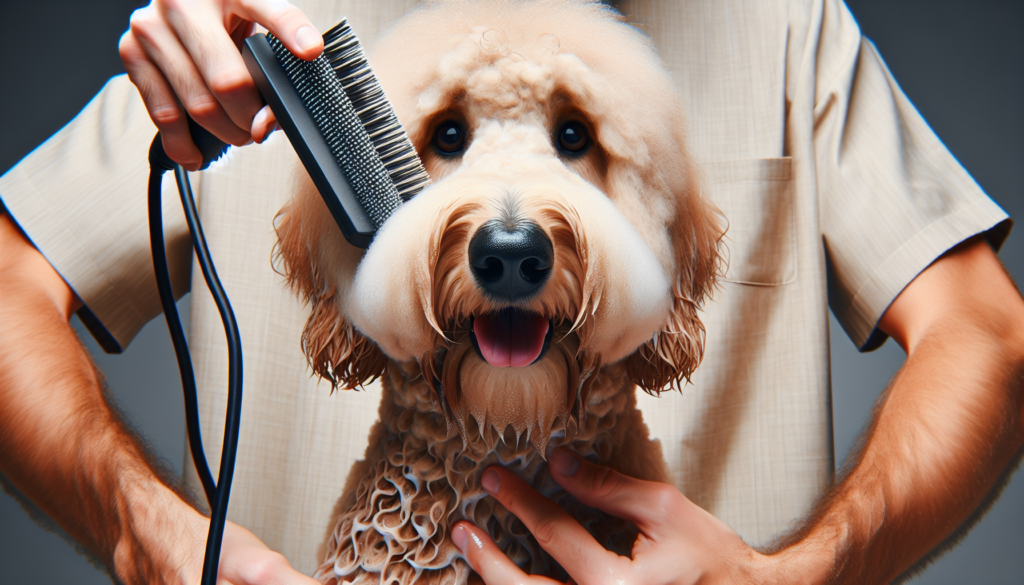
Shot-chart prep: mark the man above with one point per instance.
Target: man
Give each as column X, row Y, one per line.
column 841, row 536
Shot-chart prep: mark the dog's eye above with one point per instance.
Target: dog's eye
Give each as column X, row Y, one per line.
column 449, row 138
column 572, row 137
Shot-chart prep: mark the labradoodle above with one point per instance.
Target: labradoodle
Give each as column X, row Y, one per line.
column 556, row 263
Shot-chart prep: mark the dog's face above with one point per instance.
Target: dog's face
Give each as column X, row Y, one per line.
column 564, row 229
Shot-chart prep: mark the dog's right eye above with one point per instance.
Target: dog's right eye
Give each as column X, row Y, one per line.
column 572, row 138
column 449, row 138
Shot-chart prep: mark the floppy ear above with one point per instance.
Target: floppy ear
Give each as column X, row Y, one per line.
column 313, row 256
column 674, row 352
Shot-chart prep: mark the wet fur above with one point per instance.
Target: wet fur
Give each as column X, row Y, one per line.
column 636, row 253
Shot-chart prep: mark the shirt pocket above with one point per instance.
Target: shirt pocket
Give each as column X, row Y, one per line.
column 756, row 197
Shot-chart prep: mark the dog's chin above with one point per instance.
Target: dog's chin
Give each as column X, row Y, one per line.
column 533, row 399
column 510, row 369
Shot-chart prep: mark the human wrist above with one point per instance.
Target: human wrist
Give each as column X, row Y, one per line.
column 809, row 561
column 150, row 511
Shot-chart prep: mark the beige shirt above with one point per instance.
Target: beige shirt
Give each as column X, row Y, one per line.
column 836, row 191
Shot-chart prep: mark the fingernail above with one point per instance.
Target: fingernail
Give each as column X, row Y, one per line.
column 490, row 481
column 307, row 38
column 260, row 119
column 460, row 536
column 565, row 463
column 261, row 116
column 549, row 450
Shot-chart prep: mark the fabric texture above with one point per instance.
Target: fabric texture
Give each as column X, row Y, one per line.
column 836, row 191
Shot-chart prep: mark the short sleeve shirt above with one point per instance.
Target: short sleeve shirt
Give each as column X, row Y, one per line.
column 836, row 192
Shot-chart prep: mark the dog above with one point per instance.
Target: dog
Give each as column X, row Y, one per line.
column 557, row 262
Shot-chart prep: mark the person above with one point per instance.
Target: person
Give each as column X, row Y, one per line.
column 822, row 147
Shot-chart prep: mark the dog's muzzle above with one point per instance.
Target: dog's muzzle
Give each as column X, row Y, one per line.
column 510, row 263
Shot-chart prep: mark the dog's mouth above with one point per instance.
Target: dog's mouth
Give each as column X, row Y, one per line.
column 511, row 337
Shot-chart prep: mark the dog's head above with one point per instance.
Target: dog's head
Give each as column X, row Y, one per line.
column 564, row 229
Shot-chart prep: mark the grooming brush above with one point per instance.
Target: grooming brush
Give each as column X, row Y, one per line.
column 341, row 125
column 335, row 114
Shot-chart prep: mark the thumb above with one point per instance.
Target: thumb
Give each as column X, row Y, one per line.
column 652, row 506
column 286, row 22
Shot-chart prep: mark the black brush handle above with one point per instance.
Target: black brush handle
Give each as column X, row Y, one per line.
column 307, row 140
column 209, row 146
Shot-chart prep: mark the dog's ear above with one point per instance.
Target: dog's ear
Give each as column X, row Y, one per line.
column 675, row 351
column 312, row 256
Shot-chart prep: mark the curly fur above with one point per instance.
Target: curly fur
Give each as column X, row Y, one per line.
column 635, row 253
column 334, row 349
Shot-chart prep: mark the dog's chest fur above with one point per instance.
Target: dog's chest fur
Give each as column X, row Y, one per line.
column 393, row 522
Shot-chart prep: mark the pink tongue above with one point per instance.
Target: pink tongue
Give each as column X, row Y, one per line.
column 510, row 338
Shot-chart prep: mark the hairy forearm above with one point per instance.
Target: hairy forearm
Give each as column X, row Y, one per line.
column 946, row 430
column 950, row 425
column 60, row 443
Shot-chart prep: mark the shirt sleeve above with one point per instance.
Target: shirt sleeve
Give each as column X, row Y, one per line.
column 80, row 198
column 892, row 198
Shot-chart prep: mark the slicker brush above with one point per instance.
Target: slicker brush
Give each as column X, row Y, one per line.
column 341, row 125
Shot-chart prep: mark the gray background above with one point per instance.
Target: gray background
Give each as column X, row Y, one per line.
column 960, row 61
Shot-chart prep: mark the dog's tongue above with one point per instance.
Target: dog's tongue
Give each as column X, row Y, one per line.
column 510, row 337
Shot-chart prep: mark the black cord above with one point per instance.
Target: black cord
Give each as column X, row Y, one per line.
column 219, row 511
column 188, row 379
column 218, row 493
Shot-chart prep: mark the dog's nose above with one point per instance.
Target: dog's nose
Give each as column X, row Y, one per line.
column 510, row 262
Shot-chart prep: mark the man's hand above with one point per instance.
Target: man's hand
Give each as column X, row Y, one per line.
column 184, row 57
column 678, row 542
column 64, row 448
column 245, row 560
column 165, row 542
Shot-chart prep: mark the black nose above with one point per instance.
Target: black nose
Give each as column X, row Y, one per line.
column 510, row 262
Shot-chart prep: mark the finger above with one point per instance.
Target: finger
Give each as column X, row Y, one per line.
column 261, row 567
column 556, row 531
column 271, row 570
column 166, row 53
column 245, row 560
column 164, row 109
column 652, row 506
column 487, row 559
column 286, row 22
column 201, row 31
column 263, row 124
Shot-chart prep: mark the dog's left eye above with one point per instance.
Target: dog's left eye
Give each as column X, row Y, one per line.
column 449, row 138
column 572, row 137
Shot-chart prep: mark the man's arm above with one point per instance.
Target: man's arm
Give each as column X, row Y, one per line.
column 64, row 448
column 949, row 425
column 948, row 428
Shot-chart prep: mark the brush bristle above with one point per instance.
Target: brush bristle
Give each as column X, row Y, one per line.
column 326, row 101
column 345, row 54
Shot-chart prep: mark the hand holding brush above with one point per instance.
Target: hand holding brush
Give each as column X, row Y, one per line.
column 185, row 59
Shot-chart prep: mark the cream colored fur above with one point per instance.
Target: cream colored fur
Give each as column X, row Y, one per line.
column 635, row 253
